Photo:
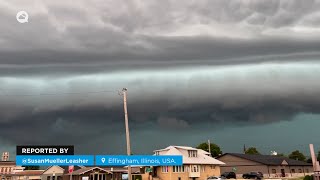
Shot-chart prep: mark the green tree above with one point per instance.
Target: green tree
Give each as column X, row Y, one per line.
column 297, row 155
column 31, row 167
column 307, row 177
column 215, row 149
column 309, row 160
column 252, row 150
column 281, row 155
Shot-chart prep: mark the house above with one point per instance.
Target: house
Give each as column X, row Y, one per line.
column 57, row 172
column 270, row 165
column 53, row 173
column 89, row 173
column 197, row 164
column 117, row 172
column 8, row 169
column 28, row 175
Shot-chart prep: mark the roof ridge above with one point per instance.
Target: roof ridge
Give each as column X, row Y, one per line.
column 268, row 159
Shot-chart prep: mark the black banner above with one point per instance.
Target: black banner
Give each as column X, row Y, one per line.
column 45, row 150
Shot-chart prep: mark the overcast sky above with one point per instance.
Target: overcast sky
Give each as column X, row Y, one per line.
column 233, row 71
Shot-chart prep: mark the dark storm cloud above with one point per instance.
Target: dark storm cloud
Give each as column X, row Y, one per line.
column 174, row 101
column 174, row 52
column 190, row 67
column 67, row 122
column 99, row 32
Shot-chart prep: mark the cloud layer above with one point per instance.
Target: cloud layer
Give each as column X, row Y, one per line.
column 190, row 67
column 130, row 31
column 180, row 101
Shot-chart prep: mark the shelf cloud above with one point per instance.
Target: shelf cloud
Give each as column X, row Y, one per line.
column 188, row 65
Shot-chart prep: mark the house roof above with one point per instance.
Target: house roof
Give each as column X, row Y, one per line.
column 30, row 172
column 202, row 156
column 180, row 147
column 7, row 163
column 51, row 167
column 123, row 169
column 269, row 159
column 86, row 169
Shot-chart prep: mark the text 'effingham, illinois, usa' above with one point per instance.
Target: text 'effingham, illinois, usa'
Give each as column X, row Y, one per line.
column 139, row 160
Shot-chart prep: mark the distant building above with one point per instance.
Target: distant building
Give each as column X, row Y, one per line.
column 28, row 175
column 89, row 173
column 8, row 169
column 118, row 172
column 100, row 173
column 197, row 164
column 5, row 156
column 53, row 173
column 270, row 165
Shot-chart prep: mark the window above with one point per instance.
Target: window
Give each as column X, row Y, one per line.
column 293, row 171
column 2, row 169
column 187, row 168
column 48, row 177
column 274, row 171
column 213, row 167
column 165, row 169
column 307, row 170
column 203, row 168
column 178, row 168
column 179, row 178
column 300, row 170
column 195, row 168
column 6, row 169
column 192, row 153
column 157, row 153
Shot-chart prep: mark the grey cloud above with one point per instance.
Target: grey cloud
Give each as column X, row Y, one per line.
column 189, row 66
column 311, row 20
column 129, row 30
column 169, row 50
column 172, row 123
column 204, row 99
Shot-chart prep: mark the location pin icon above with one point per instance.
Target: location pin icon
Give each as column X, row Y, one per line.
column 103, row 160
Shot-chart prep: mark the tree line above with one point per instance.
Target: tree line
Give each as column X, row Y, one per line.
column 216, row 151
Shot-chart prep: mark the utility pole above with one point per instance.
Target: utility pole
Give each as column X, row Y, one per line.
column 209, row 145
column 315, row 163
column 124, row 93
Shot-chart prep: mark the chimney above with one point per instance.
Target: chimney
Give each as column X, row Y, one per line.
column 5, row 156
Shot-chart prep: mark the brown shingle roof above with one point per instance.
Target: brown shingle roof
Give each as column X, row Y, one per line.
column 7, row 163
column 123, row 169
column 86, row 169
column 30, row 172
column 269, row 159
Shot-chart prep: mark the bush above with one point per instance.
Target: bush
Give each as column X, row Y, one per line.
column 307, row 177
column 136, row 177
